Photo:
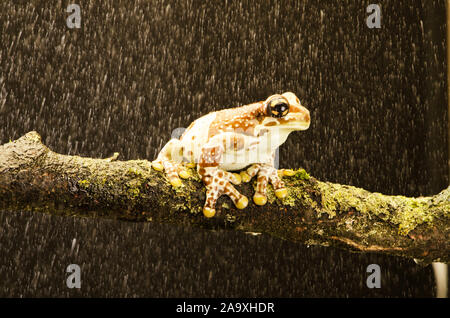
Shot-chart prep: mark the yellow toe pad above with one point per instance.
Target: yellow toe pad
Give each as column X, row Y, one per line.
column 245, row 177
column 184, row 174
column 281, row 193
column 259, row 199
column 208, row 212
column 242, row 203
column 237, row 178
column 289, row 172
column 175, row 182
column 157, row 166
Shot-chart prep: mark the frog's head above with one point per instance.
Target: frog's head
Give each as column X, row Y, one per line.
column 285, row 112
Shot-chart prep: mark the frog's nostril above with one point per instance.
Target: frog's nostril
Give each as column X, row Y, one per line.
column 305, row 112
column 307, row 117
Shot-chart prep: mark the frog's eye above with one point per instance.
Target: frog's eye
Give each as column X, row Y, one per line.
column 278, row 108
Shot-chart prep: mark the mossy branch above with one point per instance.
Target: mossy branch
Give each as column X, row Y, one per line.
column 34, row 178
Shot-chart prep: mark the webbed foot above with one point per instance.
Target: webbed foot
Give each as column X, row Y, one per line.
column 220, row 182
column 266, row 173
column 173, row 170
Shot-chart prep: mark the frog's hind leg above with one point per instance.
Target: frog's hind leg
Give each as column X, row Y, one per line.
column 169, row 160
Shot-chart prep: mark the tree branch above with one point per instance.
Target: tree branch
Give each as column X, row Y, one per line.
column 34, row 178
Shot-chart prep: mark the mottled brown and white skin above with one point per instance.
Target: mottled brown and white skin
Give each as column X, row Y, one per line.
column 234, row 139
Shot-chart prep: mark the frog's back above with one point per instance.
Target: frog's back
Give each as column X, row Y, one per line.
column 238, row 119
column 228, row 119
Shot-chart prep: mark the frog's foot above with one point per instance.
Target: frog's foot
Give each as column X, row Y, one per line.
column 174, row 170
column 219, row 182
column 169, row 159
column 265, row 174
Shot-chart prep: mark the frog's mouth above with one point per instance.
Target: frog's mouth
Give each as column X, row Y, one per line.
column 291, row 122
column 295, row 121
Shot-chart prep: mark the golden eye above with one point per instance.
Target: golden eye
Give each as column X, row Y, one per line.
column 278, row 108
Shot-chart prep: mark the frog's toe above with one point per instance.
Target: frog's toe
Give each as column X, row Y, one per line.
column 242, row 203
column 209, row 212
column 184, row 174
column 175, row 182
column 236, row 179
column 288, row 172
column 190, row 165
column 158, row 166
column 281, row 193
column 239, row 200
column 245, row 177
column 278, row 185
column 259, row 198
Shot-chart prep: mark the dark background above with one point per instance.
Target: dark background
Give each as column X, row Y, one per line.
column 136, row 70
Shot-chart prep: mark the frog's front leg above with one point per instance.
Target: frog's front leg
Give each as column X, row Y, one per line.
column 169, row 159
column 266, row 173
column 217, row 181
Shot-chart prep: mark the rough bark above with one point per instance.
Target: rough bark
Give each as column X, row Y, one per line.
column 34, row 178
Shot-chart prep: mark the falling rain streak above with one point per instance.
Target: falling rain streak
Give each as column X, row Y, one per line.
column 136, row 70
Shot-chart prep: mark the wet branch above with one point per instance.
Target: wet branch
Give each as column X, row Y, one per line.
column 34, row 178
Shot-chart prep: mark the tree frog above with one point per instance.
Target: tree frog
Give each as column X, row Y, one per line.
column 233, row 139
